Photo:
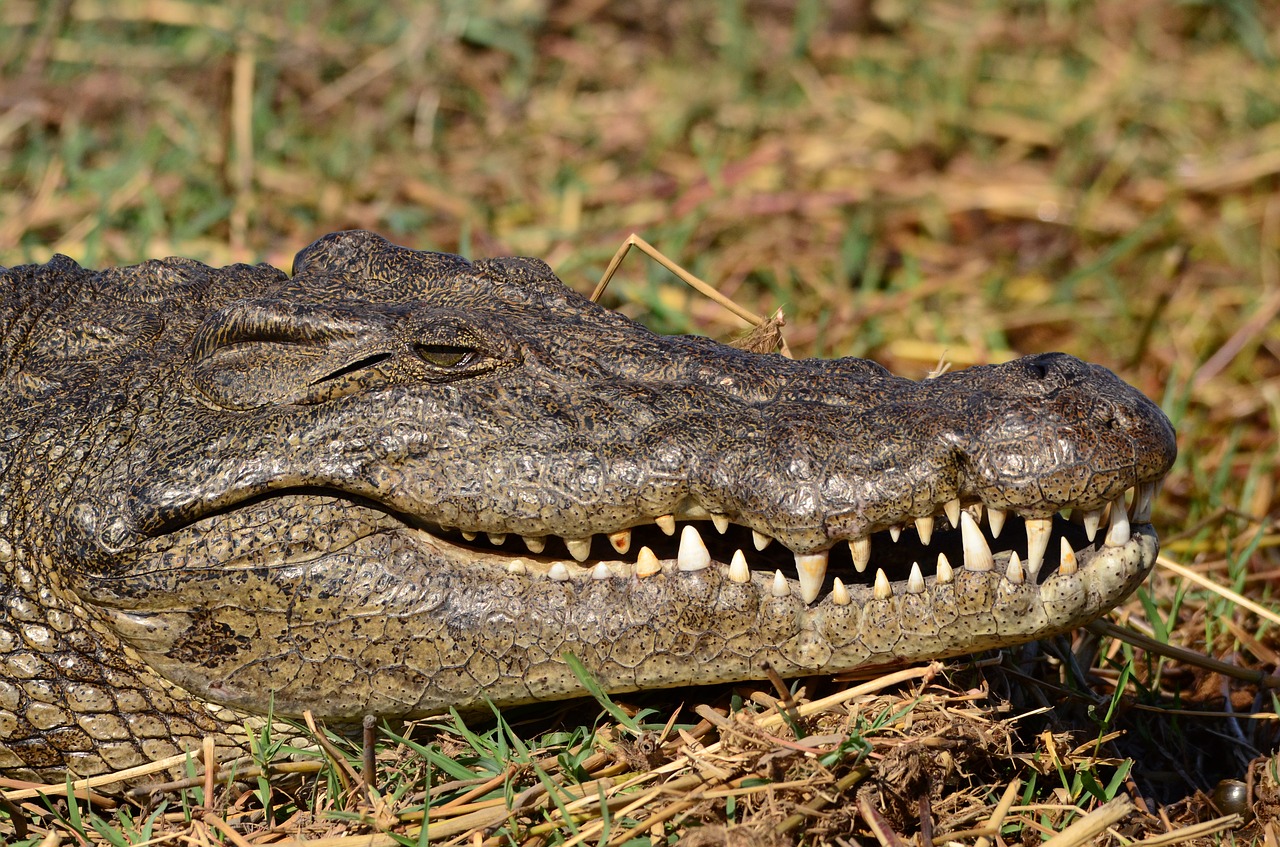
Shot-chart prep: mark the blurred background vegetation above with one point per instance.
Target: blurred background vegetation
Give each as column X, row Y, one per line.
column 907, row 179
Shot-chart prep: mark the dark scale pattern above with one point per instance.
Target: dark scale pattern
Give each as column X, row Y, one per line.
column 222, row 488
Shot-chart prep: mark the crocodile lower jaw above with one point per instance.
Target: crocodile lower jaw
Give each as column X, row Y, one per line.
column 374, row 613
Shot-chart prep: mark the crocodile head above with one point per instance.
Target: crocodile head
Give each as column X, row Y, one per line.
column 398, row 480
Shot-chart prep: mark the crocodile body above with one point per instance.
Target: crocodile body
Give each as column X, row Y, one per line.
column 398, row 481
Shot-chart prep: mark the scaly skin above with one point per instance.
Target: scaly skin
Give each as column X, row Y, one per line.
column 391, row 483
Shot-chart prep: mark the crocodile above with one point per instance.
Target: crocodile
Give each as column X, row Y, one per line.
column 397, row 481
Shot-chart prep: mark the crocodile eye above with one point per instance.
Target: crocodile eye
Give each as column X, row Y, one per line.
column 445, row 355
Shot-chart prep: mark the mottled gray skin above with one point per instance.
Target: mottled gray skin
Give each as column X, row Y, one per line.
column 223, row 489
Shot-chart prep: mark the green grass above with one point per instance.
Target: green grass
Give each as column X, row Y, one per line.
column 906, row 180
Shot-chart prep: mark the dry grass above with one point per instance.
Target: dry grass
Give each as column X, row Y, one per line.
column 905, row 181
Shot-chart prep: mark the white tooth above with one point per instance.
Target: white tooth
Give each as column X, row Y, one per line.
column 1118, row 531
column 738, row 570
column 915, row 582
column 945, row 574
column 840, row 594
column 995, row 520
column 952, row 508
column 1038, row 530
column 497, row 539
column 468, row 535
column 694, row 511
column 861, row 550
column 666, row 523
column 977, row 555
column 517, row 566
column 621, row 540
column 975, row 509
column 535, row 545
column 1067, row 564
column 883, row 590
column 579, row 548
column 812, row 569
column 601, row 571
column 1014, row 573
column 721, row 523
column 1091, row 519
column 647, row 564
column 1142, row 503
column 924, row 528
column 693, row 555
column 780, row 587
column 895, row 532
column 559, row 572
column 760, row 539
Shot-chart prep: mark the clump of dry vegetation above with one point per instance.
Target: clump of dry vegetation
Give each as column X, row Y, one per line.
column 907, row 181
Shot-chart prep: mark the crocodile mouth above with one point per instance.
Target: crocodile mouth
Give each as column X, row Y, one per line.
column 341, row 605
column 904, row 558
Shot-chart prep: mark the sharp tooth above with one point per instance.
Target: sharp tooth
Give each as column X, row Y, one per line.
column 895, row 532
column 780, row 587
column 621, row 540
column 468, row 535
column 812, row 568
column 975, row 509
column 945, row 573
column 1118, row 531
column 693, row 555
column 861, row 550
column 579, row 548
column 721, row 522
column 517, row 566
column 1091, row 519
column 1014, row 573
column 760, row 539
column 535, row 545
column 601, row 571
column 647, row 564
column 559, row 572
column 666, row 523
column 924, row 528
column 738, row 570
column 883, row 590
column 952, row 508
column 915, row 582
column 995, row 520
column 840, row 594
column 1038, row 530
column 1067, row 564
column 1142, row 503
column 497, row 539
column 977, row 555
